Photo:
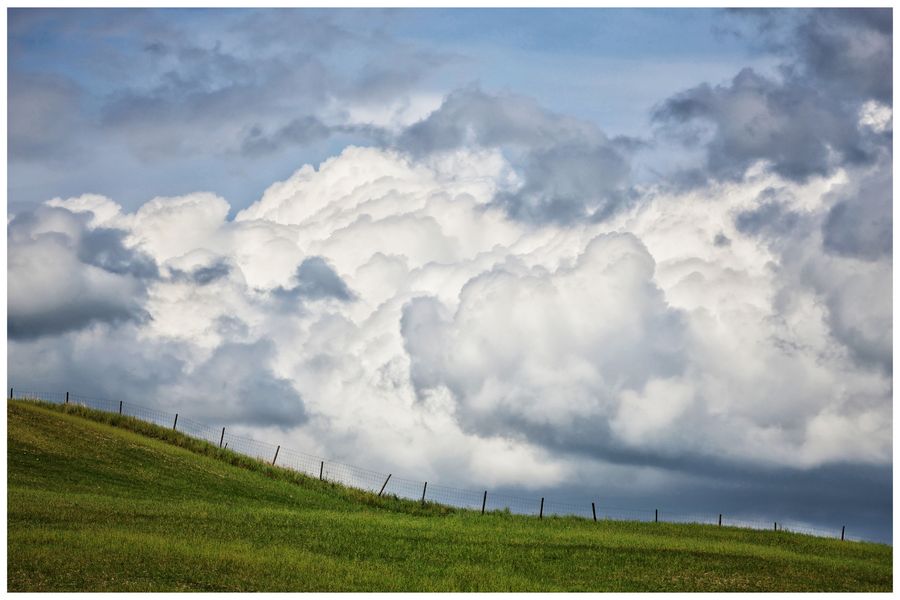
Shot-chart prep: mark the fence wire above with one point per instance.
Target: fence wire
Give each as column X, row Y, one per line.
column 390, row 485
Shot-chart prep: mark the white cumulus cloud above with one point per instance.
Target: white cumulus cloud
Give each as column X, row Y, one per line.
column 382, row 302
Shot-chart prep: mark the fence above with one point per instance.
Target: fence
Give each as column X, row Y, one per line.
column 387, row 484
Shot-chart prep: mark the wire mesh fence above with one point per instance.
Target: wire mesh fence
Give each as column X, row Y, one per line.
column 409, row 489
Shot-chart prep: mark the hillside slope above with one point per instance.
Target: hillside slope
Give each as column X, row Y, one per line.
column 95, row 507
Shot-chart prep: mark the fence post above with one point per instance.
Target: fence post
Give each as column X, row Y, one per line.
column 120, row 407
column 424, row 488
column 321, row 470
column 222, row 439
column 276, row 455
column 842, row 532
column 656, row 515
column 541, row 515
column 385, row 484
column 67, row 397
column 594, row 510
column 720, row 519
column 10, row 393
column 176, row 422
column 776, row 525
column 484, row 502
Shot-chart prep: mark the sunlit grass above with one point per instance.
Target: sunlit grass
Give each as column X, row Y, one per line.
column 99, row 502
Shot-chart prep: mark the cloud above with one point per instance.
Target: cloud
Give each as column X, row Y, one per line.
column 203, row 275
column 860, row 223
column 104, row 248
column 47, row 120
column 850, row 50
column 222, row 102
column 246, row 391
column 804, row 122
column 847, row 50
column 545, row 355
column 770, row 217
column 570, row 170
column 317, row 280
column 64, row 276
column 300, row 130
column 795, row 129
column 457, row 327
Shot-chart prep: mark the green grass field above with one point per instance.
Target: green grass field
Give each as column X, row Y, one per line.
column 99, row 502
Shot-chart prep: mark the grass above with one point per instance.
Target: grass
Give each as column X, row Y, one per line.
column 99, row 502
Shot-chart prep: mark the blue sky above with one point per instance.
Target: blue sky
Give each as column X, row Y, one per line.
column 545, row 248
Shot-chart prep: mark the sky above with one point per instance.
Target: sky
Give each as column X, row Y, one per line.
column 641, row 255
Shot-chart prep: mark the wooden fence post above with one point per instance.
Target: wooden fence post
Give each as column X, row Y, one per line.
column 67, row 397
column 276, row 455
column 842, row 532
column 776, row 525
column 176, row 422
column 222, row 439
column 720, row 519
column 594, row 510
column 385, row 484
column 656, row 515
column 484, row 502
column 10, row 393
column 120, row 407
column 424, row 488
column 321, row 470
column 541, row 515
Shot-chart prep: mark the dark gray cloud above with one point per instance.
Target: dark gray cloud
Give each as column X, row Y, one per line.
column 471, row 116
column 770, row 218
column 63, row 276
column 571, row 169
column 860, row 223
column 848, row 50
column 104, row 248
column 316, row 280
column 238, row 386
column 204, row 275
column 116, row 368
column 798, row 130
column 300, row 130
column 804, row 123
column 844, row 50
column 857, row 496
column 304, row 130
column 234, row 385
column 92, row 308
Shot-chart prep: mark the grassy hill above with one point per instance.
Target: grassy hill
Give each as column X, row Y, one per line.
column 106, row 503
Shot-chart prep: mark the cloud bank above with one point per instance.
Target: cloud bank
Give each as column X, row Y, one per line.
column 400, row 303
